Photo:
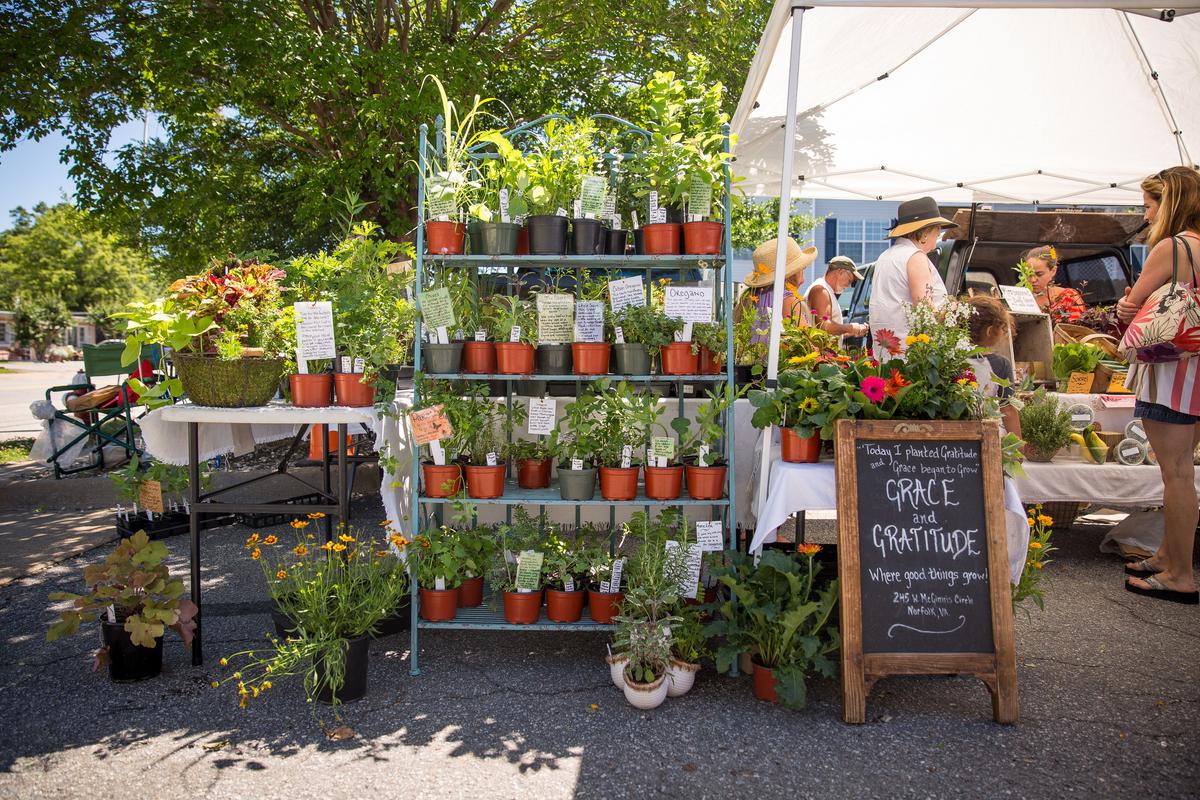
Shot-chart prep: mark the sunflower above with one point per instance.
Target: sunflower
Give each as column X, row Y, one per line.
column 809, row 405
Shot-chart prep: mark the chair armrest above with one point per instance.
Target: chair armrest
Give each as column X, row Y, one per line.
column 87, row 387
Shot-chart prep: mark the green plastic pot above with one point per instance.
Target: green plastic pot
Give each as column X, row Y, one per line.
column 632, row 359
column 577, row 484
column 494, row 238
column 554, row 359
column 442, row 358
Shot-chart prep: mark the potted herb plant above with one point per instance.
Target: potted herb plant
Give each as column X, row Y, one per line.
column 494, row 233
column 1045, row 426
column 476, row 546
column 450, row 181
column 802, row 403
column 513, row 325
column 135, row 600
column 553, row 357
column 688, row 646
column 480, row 432
column 778, row 609
column 641, row 332
column 553, row 180
column 522, row 605
column 622, row 424
column 604, row 598
column 707, row 468
column 647, row 650
column 173, row 482
column 663, row 162
column 704, row 174
column 591, row 358
column 565, row 565
column 444, row 358
column 445, row 479
column 709, row 344
column 574, row 443
column 438, row 567
column 534, row 461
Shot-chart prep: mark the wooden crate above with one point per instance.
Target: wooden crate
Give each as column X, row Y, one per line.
column 1030, row 343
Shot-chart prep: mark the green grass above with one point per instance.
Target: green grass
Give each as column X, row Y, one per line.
column 6, row 369
column 15, row 450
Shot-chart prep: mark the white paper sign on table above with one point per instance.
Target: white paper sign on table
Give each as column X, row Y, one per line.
column 314, row 329
column 541, row 416
column 689, row 303
column 589, row 321
column 626, row 292
column 1020, row 300
column 710, row 536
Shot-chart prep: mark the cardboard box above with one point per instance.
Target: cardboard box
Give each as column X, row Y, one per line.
column 1031, row 344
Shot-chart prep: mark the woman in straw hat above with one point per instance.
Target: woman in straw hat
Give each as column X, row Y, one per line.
column 760, row 283
column 904, row 273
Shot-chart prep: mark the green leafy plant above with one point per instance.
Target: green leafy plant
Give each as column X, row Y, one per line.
column 710, row 335
column 1028, row 587
column 449, row 173
column 566, row 559
column 780, row 611
column 578, row 432
column 622, row 418
column 135, row 587
column 127, row 481
column 482, row 426
column 647, row 326
column 708, row 432
column 1045, row 424
column 1075, row 357
column 507, row 312
column 528, row 449
column 512, row 539
column 507, row 169
column 566, row 151
column 437, row 553
column 688, row 640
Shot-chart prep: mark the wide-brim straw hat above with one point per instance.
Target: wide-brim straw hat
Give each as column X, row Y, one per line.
column 798, row 260
column 916, row 214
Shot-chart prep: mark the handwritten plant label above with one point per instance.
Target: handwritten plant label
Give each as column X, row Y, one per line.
column 301, row 362
column 710, row 536
column 492, row 460
column 441, row 203
column 699, row 197
column 626, row 457
column 704, row 455
column 439, row 584
column 529, row 571
column 541, row 416
column 591, row 195
column 923, row 547
column 576, row 463
column 1020, row 300
column 614, row 579
column 150, row 496
column 1117, row 384
column 514, row 335
column 568, row 584
column 504, row 205
column 438, row 452
column 436, row 309
column 619, row 335
column 626, row 292
column 562, row 212
column 662, row 447
column 314, row 330
column 345, row 364
column 430, row 424
column 578, row 209
column 360, row 365
column 691, row 579
column 481, row 335
column 589, row 321
column 605, row 587
column 610, row 210
column 556, row 317
column 1079, row 383
column 689, row 303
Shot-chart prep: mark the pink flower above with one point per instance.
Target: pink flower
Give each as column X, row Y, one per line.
column 874, row 387
column 889, row 340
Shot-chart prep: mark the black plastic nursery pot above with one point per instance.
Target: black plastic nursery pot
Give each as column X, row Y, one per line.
column 632, row 359
column 616, row 242
column 494, row 238
column 442, row 358
column 128, row 661
column 529, row 389
column 639, row 242
column 577, row 484
column 354, row 682
column 554, row 359
column 547, row 235
column 588, row 237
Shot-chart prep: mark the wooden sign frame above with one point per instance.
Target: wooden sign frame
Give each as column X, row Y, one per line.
column 998, row 670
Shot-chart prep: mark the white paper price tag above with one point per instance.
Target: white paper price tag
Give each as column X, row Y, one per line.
column 578, row 208
column 514, row 335
column 614, row 580
column 652, row 206
column 704, row 455
column 439, row 584
column 438, row 452
column 345, row 364
column 605, row 587
column 619, row 335
column 359, row 365
column 569, row 584
column 562, row 212
column 443, row 335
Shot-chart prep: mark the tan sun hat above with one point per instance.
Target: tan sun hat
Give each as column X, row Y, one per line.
column 916, row 214
column 798, row 259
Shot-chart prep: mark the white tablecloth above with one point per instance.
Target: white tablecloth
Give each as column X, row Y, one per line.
column 813, row 487
column 1110, row 484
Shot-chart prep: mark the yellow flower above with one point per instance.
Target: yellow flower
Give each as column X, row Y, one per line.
column 1035, row 545
column 381, row 553
column 809, row 404
column 386, row 523
column 251, row 540
column 344, row 538
column 316, row 515
column 215, row 684
column 1031, row 522
column 281, row 574
column 256, row 554
column 300, row 550
column 272, row 539
column 910, row 340
column 974, row 384
column 298, row 524
column 339, row 547
column 224, row 662
column 1045, row 520
column 328, row 546
column 1037, row 565
column 266, row 685
column 923, row 338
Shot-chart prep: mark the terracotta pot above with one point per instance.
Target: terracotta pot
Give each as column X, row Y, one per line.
column 661, row 239
column 618, row 483
column 311, row 391
column 710, row 363
column 533, row 473
column 514, row 358
column 331, row 440
column 796, row 450
column 485, row 482
column 590, row 358
column 664, row 483
column 603, row 606
column 646, row 695
column 706, row 483
column 349, row 390
column 702, row 238
column 764, row 683
column 439, row 605
column 470, row 593
column 443, row 480
column 564, row 606
column 522, row 608
column 479, row 358
column 678, row 359
column 681, row 675
column 445, row 238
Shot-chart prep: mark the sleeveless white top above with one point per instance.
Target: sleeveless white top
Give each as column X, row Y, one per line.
column 890, row 291
column 835, row 313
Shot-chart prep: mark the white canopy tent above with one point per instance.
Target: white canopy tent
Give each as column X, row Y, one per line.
column 999, row 101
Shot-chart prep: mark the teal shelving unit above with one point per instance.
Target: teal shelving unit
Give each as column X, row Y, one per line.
column 428, row 510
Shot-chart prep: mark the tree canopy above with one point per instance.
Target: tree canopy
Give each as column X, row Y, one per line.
column 272, row 111
column 59, row 251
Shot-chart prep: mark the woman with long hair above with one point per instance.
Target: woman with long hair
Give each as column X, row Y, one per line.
column 1063, row 304
column 1168, row 393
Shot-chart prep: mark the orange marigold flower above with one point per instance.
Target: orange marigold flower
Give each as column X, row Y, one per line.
column 272, row 539
column 328, row 546
column 1035, row 545
column 252, row 540
column 808, row 548
column 256, row 554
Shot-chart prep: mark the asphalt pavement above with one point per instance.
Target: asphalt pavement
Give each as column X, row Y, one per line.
column 28, row 381
column 1109, row 690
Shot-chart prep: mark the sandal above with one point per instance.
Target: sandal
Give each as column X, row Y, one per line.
column 1160, row 592
column 1140, row 569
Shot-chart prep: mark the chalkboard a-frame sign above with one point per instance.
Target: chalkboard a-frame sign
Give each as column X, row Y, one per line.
column 923, row 557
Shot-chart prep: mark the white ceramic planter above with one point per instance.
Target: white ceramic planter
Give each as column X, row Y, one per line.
column 616, row 668
column 646, row 696
column 680, row 677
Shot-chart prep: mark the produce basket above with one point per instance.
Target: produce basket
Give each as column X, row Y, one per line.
column 238, row 383
column 1063, row 512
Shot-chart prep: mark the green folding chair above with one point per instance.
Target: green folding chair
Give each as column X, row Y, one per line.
column 111, row 425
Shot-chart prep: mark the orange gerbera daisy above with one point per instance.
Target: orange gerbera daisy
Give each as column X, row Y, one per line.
column 808, row 548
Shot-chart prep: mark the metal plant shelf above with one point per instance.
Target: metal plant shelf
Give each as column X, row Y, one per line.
column 515, row 496
column 572, row 377
column 566, row 262
column 484, row 617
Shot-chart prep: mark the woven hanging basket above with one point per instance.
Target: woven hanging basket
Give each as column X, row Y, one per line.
column 239, row 383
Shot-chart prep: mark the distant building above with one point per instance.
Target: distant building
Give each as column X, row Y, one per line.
column 81, row 332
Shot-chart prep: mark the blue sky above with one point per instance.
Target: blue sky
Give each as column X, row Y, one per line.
column 31, row 172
